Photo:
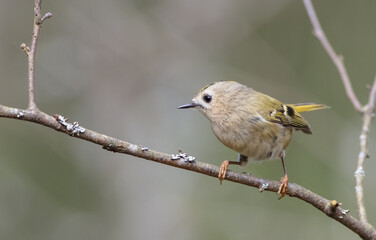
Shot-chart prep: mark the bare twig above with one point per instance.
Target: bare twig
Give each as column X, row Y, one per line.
column 59, row 123
column 372, row 98
column 363, row 154
column 359, row 173
column 367, row 110
column 328, row 207
column 38, row 20
column 337, row 59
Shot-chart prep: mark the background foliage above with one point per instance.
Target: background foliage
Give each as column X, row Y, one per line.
column 122, row 67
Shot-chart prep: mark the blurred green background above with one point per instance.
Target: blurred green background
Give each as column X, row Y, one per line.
column 122, row 67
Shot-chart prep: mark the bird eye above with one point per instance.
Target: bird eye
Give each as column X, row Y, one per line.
column 207, row 98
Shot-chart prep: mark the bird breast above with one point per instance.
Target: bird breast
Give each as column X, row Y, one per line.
column 254, row 137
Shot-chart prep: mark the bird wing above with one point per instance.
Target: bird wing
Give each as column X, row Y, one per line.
column 307, row 107
column 287, row 116
column 284, row 114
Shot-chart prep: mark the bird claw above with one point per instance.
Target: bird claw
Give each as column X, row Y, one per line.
column 283, row 187
column 222, row 171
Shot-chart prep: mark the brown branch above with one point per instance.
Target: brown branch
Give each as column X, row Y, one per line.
column 337, row 59
column 181, row 160
column 38, row 20
column 368, row 110
column 359, row 174
column 60, row 124
column 372, row 98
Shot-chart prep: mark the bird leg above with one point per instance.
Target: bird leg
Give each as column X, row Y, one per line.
column 242, row 161
column 223, row 169
column 284, row 181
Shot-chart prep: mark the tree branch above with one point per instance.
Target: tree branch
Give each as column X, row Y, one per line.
column 337, row 59
column 359, row 174
column 59, row 123
column 38, row 20
column 368, row 110
column 372, row 98
column 330, row 208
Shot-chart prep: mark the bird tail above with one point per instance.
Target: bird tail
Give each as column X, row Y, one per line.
column 306, row 107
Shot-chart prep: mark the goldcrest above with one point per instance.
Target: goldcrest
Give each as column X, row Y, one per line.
column 253, row 124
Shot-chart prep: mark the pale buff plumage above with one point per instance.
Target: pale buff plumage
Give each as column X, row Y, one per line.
column 253, row 124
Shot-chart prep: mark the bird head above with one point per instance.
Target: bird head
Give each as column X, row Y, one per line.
column 218, row 99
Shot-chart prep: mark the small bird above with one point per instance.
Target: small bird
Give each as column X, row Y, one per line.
column 253, row 124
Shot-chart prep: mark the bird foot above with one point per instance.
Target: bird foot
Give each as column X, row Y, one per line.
column 222, row 171
column 283, row 187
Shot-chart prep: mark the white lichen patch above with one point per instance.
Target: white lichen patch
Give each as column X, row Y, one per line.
column 264, row 186
column 144, row 148
column 190, row 159
column 183, row 156
column 359, row 172
column 345, row 211
column 72, row 128
column 133, row 148
column 362, row 155
column 20, row 114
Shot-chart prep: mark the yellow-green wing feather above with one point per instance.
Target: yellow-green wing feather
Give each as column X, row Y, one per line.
column 306, row 107
column 286, row 114
column 289, row 117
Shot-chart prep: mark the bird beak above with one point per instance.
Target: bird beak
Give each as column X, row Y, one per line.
column 189, row 105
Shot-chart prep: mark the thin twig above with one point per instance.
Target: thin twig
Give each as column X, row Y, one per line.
column 337, row 59
column 372, row 98
column 363, row 154
column 334, row 211
column 359, row 173
column 38, row 20
column 367, row 111
column 61, row 124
